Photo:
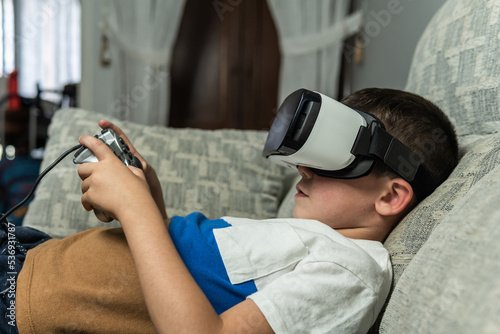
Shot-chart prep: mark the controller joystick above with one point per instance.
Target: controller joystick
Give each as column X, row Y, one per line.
column 119, row 148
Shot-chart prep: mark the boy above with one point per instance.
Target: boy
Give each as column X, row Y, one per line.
column 325, row 271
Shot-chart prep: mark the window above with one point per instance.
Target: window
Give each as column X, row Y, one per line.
column 48, row 42
column 41, row 39
column 43, row 44
column 6, row 37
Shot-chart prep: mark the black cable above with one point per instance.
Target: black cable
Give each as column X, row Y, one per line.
column 42, row 174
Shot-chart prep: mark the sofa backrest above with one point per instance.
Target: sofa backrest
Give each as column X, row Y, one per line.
column 452, row 285
column 456, row 66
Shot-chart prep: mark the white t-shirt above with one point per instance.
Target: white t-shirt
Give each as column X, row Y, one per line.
column 309, row 277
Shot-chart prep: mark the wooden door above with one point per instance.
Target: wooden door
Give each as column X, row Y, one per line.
column 225, row 66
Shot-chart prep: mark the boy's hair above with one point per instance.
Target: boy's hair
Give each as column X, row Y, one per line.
column 416, row 122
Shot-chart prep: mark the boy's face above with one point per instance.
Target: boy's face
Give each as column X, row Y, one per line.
column 340, row 204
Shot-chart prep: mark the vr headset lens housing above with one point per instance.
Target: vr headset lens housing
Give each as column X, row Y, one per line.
column 313, row 130
column 334, row 140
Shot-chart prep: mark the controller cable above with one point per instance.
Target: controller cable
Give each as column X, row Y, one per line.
column 42, row 174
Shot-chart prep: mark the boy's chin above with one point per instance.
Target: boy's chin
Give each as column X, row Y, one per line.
column 300, row 214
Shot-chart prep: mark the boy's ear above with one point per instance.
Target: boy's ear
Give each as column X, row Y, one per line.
column 396, row 197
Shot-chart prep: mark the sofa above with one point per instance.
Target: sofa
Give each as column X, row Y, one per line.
column 444, row 253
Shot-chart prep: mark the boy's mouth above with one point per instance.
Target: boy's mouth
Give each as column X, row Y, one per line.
column 300, row 193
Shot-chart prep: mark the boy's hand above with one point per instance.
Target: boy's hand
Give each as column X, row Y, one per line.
column 109, row 185
column 149, row 172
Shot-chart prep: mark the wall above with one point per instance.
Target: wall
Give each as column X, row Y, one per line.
column 96, row 88
column 391, row 33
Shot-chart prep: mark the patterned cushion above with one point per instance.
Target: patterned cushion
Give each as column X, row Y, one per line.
column 406, row 239
column 452, row 284
column 456, row 64
column 288, row 204
column 216, row 172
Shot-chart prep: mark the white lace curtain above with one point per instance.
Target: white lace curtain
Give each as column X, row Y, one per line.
column 141, row 36
column 48, row 42
column 311, row 33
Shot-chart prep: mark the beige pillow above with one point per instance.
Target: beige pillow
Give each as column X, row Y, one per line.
column 218, row 172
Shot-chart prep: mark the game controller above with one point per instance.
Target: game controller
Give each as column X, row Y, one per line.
column 119, row 148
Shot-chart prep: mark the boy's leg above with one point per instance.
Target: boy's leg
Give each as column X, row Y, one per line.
column 15, row 241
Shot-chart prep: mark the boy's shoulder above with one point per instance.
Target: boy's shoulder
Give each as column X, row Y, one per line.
column 285, row 240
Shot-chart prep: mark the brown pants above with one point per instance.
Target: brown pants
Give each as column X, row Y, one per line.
column 86, row 283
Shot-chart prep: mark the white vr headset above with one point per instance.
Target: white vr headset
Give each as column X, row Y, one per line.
column 334, row 140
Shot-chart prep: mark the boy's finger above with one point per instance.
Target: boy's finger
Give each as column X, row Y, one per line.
column 85, row 202
column 84, row 186
column 85, row 170
column 100, row 149
column 105, row 124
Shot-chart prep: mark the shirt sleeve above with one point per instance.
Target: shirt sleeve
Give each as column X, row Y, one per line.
column 319, row 297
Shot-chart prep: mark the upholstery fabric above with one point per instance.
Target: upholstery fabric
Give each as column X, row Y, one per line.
column 216, row 172
column 456, row 65
column 452, row 284
column 409, row 236
column 288, row 204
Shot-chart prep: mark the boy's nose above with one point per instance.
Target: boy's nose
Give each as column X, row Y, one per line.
column 305, row 172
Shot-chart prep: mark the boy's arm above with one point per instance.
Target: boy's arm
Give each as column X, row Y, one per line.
column 175, row 302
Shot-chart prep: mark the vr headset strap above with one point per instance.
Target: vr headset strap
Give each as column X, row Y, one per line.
column 403, row 161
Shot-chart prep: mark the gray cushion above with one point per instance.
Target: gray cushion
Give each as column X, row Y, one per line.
column 456, row 64
column 288, row 203
column 406, row 239
column 216, row 172
column 452, row 285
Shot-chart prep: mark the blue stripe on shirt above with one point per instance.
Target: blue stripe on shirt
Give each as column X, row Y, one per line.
column 194, row 239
